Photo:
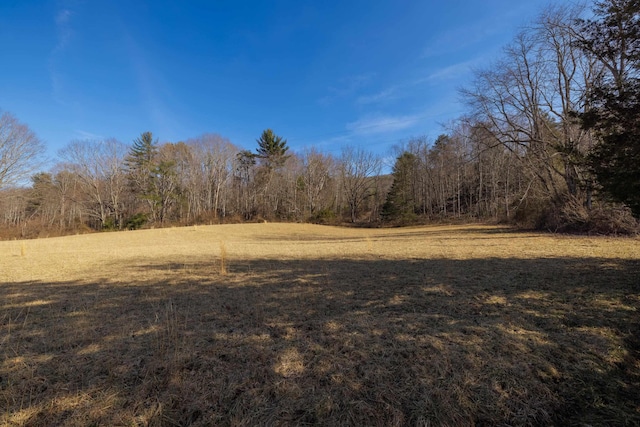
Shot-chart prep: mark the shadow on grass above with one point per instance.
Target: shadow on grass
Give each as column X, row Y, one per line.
column 478, row 232
column 329, row 342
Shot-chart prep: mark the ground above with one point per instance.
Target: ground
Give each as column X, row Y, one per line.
column 294, row 324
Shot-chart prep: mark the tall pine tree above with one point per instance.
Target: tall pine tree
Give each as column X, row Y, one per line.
column 141, row 165
column 401, row 199
column 613, row 39
column 272, row 149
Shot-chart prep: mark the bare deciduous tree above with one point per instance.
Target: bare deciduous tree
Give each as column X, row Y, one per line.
column 527, row 102
column 209, row 175
column 358, row 169
column 20, row 150
column 316, row 173
column 99, row 167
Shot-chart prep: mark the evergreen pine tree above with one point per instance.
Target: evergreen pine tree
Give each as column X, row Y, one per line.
column 272, row 149
column 401, row 202
column 140, row 165
column 613, row 39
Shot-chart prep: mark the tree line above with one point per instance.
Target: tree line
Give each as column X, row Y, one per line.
column 550, row 140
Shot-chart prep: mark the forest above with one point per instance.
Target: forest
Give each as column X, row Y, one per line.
column 549, row 140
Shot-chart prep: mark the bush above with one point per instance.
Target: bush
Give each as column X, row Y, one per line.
column 569, row 215
column 136, row 222
column 324, row 216
column 110, row 225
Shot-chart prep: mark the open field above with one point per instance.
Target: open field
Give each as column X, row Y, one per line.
column 291, row 324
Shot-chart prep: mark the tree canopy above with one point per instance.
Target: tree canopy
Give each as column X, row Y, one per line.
column 550, row 140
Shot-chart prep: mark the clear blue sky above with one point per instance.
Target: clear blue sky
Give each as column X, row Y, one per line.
column 319, row 73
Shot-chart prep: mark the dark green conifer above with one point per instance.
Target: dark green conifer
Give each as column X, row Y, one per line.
column 272, row 149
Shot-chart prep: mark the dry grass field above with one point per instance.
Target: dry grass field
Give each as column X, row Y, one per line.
column 291, row 324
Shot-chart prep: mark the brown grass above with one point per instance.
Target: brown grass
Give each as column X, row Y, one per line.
column 465, row 325
column 223, row 259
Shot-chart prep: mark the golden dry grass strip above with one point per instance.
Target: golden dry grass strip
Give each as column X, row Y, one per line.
column 472, row 325
column 223, row 258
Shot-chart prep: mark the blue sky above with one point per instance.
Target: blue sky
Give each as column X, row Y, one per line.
column 319, row 73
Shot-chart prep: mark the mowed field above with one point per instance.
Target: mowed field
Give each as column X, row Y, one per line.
column 293, row 324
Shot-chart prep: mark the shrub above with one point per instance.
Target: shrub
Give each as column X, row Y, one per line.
column 136, row 221
column 324, row 216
